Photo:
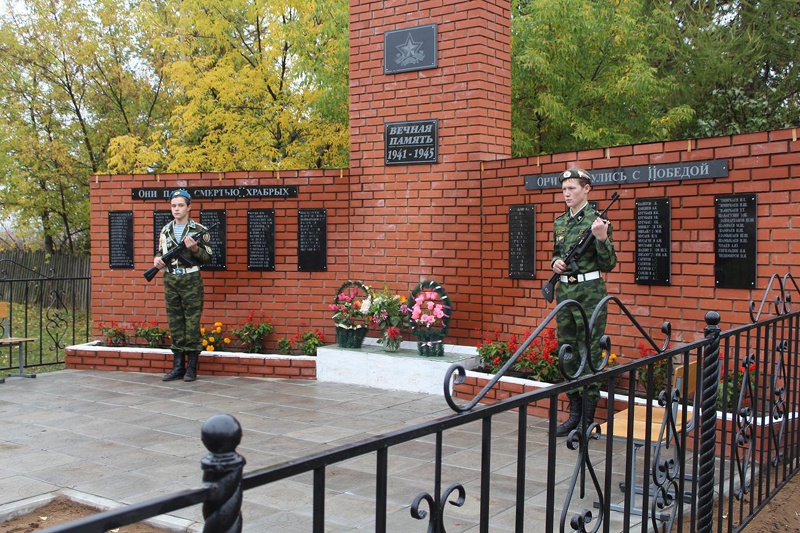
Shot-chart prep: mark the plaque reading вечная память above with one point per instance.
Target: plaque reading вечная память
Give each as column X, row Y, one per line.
column 414, row 142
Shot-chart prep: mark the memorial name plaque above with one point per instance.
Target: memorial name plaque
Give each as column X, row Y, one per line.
column 653, row 241
column 218, row 243
column 735, row 242
column 522, row 241
column 687, row 170
column 234, row 192
column 120, row 239
column 409, row 49
column 160, row 219
column 261, row 239
column 312, row 240
column 411, row 143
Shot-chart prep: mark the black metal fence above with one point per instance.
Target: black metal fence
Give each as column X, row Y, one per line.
column 703, row 453
column 51, row 308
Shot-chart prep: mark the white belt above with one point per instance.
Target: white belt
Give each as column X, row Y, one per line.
column 580, row 278
column 182, row 271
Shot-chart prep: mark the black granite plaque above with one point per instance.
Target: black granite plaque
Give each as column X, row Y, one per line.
column 160, row 219
column 209, row 217
column 120, row 239
column 409, row 49
column 312, row 240
column 653, row 241
column 735, row 242
column 261, row 239
column 522, row 241
column 414, row 142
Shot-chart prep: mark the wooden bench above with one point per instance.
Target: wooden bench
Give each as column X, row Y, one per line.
column 20, row 342
column 660, row 432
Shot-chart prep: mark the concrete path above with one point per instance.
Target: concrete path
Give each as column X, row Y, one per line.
column 114, row 437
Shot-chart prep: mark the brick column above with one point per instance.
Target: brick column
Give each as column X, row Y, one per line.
column 414, row 222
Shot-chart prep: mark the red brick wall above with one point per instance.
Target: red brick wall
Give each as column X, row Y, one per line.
column 474, row 266
column 766, row 164
column 449, row 221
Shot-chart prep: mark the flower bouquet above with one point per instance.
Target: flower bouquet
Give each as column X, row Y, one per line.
column 390, row 313
column 430, row 317
column 351, row 313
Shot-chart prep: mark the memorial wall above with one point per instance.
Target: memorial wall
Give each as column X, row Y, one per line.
column 684, row 245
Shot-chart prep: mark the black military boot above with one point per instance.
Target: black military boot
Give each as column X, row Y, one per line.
column 191, row 367
column 575, row 406
column 178, row 370
column 591, row 407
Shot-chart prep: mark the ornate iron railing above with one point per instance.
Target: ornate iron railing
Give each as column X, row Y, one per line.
column 704, row 452
column 53, row 310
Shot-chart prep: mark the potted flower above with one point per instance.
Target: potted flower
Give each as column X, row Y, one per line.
column 351, row 313
column 430, row 316
column 390, row 313
column 253, row 333
column 391, row 339
column 660, row 371
column 151, row 332
column 115, row 334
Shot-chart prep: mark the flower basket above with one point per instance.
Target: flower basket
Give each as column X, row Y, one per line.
column 431, row 312
column 350, row 308
column 351, row 337
column 430, row 342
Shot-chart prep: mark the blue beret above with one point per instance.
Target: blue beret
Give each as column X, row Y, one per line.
column 181, row 192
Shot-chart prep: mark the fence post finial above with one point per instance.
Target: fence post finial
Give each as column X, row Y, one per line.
column 223, row 467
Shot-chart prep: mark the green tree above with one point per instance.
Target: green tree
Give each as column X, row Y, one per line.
column 74, row 77
column 585, row 74
column 737, row 64
column 262, row 85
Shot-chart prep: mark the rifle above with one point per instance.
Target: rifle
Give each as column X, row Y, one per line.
column 575, row 253
column 151, row 272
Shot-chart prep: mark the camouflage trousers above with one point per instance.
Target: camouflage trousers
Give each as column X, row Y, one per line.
column 571, row 329
column 184, row 299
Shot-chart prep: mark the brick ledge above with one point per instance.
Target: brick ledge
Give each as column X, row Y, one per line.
column 159, row 361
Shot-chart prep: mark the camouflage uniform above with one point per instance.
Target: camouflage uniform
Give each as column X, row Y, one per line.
column 183, row 292
column 602, row 257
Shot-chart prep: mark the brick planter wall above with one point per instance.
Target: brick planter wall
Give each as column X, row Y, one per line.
column 159, row 361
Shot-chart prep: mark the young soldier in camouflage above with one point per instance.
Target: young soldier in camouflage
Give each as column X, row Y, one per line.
column 585, row 285
column 183, row 285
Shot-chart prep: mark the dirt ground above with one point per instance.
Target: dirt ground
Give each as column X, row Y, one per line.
column 62, row 510
column 781, row 515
